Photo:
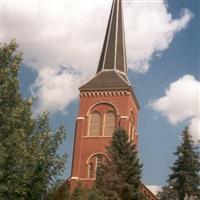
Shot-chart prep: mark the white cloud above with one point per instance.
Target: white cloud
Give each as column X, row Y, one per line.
column 52, row 92
column 195, row 128
column 150, row 30
column 154, row 189
column 70, row 33
column 182, row 102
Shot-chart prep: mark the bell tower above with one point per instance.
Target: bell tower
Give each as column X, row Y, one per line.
column 107, row 101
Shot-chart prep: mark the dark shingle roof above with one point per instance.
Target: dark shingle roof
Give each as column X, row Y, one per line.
column 113, row 55
column 106, row 80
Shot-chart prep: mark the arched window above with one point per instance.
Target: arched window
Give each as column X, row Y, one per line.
column 95, row 124
column 110, row 123
column 93, row 164
column 91, row 170
column 99, row 160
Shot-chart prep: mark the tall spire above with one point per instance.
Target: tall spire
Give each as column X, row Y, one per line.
column 113, row 55
column 112, row 69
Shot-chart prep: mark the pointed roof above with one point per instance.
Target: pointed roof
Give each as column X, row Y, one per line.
column 113, row 55
column 107, row 80
column 112, row 69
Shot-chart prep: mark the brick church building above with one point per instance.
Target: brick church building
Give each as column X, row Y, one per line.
column 107, row 101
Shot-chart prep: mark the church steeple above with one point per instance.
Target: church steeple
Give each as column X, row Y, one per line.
column 112, row 69
column 107, row 101
column 113, row 55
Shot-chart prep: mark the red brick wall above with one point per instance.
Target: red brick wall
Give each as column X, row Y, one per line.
column 84, row 145
column 148, row 194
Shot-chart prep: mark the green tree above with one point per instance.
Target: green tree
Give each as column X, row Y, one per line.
column 79, row 193
column 46, row 164
column 185, row 180
column 93, row 194
column 118, row 178
column 59, row 192
column 167, row 193
column 83, row 193
column 29, row 162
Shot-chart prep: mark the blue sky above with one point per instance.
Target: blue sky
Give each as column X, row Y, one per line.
column 158, row 138
column 163, row 55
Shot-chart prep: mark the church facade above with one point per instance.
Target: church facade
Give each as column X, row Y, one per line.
column 107, row 101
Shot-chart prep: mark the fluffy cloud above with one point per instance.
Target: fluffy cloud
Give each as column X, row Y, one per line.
column 53, row 34
column 150, row 30
column 155, row 188
column 50, row 89
column 182, row 102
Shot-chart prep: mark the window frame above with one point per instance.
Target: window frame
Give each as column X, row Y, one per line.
column 89, row 125
column 93, row 161
column 104, row 123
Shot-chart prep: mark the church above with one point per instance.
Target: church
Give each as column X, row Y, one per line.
column 107, row 101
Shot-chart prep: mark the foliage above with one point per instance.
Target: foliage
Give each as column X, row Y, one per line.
column 118, row 178
column 167, row 193
column 79, row 193
column 184, row 180
column 59, row 192
column 29, row 162
column 93, row 194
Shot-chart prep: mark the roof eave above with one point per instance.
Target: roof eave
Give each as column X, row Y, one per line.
column 117, row 88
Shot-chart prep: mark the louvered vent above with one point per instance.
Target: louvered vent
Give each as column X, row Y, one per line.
column 95, row 124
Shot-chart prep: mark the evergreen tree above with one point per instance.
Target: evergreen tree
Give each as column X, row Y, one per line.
column 118, row 178
column 29, row 163
column 93, row 194
column 167, row 193
column 59, row 192
column 185, row 180
column 79, row 193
